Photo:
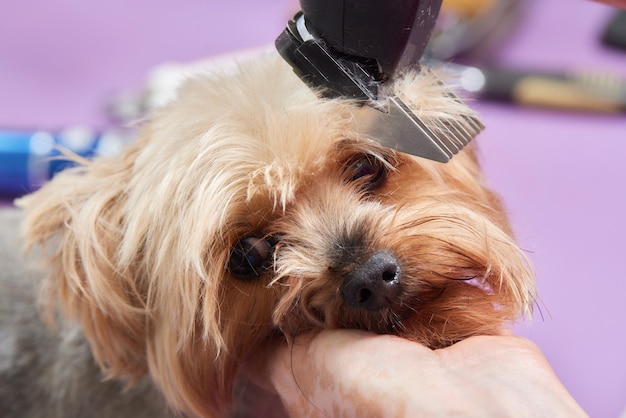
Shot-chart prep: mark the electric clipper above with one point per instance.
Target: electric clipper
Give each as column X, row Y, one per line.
column 355, row 49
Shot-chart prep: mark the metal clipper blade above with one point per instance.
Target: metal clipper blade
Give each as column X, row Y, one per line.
column 394, row 125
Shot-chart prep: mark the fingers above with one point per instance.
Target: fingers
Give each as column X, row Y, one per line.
column 335, row 372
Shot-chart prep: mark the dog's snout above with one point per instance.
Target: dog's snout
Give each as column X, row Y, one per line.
column 373, row 285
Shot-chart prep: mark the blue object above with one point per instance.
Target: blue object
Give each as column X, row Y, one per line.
column 29, row 159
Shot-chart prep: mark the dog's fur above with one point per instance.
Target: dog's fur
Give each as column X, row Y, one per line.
column 138, row 248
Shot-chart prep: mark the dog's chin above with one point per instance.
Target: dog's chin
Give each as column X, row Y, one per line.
column 434, row 318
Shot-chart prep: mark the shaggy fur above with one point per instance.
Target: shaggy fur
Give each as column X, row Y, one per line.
column 138, row 248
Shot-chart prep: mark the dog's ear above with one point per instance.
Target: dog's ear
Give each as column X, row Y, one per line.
column 76, row 222
column 130, row 255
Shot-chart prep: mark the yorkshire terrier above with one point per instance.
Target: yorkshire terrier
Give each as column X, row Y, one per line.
column 248, row 209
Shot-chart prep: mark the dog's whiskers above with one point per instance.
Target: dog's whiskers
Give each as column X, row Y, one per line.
column 395, row 322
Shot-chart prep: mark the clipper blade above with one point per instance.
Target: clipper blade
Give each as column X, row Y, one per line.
column 394, row 125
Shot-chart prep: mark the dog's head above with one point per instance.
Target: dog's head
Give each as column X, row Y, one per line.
column 250, row 208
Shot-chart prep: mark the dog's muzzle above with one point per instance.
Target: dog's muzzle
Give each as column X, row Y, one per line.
column 373, row 285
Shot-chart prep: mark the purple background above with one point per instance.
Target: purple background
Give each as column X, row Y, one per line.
column 561, row 174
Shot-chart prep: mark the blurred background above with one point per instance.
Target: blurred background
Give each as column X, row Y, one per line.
column 546, row 77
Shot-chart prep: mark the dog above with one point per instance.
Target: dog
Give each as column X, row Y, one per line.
column 248, row 209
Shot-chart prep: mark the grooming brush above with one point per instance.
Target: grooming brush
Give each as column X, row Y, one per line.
column 355, row 49
column 579, row 90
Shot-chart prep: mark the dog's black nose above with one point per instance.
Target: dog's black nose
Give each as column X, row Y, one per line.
column 373, row 285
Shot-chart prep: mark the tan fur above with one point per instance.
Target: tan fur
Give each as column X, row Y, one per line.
column 137, row 246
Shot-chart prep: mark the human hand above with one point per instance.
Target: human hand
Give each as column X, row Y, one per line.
column 353, row 373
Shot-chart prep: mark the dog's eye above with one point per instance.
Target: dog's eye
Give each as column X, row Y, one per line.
column 249, row 256
column 369, row 170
